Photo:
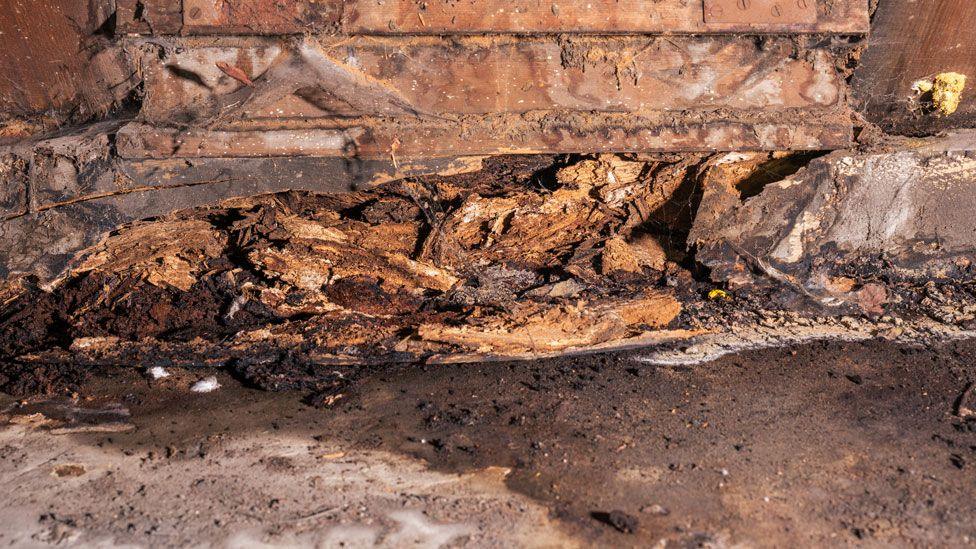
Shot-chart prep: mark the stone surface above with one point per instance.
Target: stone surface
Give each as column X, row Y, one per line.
column 912, row 208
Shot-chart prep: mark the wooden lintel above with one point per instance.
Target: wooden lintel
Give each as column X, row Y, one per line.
column 549, row 133
column 357, row 76
column 480, row 17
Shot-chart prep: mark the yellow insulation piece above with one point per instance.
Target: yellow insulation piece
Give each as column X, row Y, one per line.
column 947, row 91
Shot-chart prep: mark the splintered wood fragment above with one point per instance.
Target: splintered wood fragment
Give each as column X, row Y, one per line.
column 966, row 403
column 561, row 327
column 394, row 145
column 642, row 340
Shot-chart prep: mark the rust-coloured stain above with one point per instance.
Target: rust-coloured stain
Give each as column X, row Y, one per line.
column 761, row 12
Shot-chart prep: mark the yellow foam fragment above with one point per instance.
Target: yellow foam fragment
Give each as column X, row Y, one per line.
column 947, row 91
column 718, row 294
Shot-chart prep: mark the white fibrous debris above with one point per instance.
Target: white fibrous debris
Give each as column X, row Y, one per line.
column 157, row 372
column 206, row 385
column 235, row 306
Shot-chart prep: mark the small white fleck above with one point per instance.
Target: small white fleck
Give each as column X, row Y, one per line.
column 206, row 385
column 157, row 372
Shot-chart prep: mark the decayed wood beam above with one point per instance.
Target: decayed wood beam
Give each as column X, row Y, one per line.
column 549, row 132
column 74, row 209
column 81, row 165
column 490, row 16
column 304, row 78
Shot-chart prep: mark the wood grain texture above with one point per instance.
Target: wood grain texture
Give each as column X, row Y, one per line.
column 912, row 40
column 548, row 132
column 51, row 57
column 479, row 75
column 486, row 16
column 260, row 16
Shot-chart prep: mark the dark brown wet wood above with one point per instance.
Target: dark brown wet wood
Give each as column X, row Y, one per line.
column 49, row 56
column 913, row 40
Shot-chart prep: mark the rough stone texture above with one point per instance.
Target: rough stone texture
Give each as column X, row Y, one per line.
column 913, row 208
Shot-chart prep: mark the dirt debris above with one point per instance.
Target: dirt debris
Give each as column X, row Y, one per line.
column 966, row 403
column 619, row 520
column 764, row 447
column 61, row 416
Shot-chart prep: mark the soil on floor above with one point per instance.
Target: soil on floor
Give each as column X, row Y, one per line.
column 820, row 444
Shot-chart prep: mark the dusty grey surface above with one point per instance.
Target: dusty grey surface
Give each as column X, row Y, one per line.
column 187, row 474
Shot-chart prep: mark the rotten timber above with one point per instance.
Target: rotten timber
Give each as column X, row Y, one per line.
column 65, row 193
column 436, row 76
column 492, row 16
column 470, row 268
column 541, row 133
column 406, row 270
